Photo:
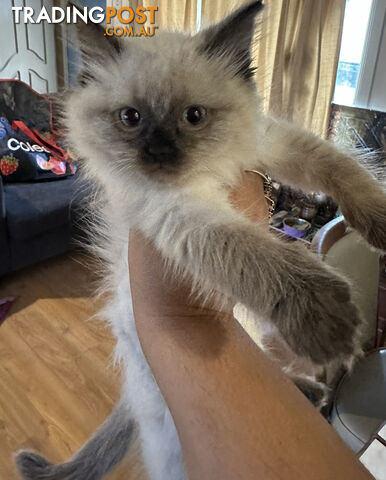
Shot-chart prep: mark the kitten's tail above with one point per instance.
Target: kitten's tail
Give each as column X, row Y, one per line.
column 105, row 449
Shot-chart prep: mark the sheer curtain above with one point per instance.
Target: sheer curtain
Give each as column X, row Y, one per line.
column 296, row 50
column 171, row 15
column 175, row 14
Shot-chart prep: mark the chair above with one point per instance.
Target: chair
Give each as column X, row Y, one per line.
column 359, row 402
column 346, row 251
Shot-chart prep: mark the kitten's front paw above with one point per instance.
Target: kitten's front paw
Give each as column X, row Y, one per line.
column 317, row 317
column 369, row 219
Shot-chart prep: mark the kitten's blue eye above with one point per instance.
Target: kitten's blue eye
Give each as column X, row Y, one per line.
column 194, row 115
column 130, row 117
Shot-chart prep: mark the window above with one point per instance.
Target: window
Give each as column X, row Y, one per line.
column 362, row 62
column 355, row 25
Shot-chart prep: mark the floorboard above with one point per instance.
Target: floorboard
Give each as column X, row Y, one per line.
column 56, row 380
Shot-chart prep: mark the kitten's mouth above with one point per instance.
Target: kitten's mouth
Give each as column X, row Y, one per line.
column 165, row 167
column 162, row 169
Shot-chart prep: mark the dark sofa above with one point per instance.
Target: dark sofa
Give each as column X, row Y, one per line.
column 39, row 220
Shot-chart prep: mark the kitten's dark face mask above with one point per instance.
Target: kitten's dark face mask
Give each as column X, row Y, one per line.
column 161, row 143
column 171, row 104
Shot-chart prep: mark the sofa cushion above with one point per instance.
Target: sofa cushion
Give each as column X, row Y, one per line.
column 5, row 258
column 33, row 208
column 48, row 244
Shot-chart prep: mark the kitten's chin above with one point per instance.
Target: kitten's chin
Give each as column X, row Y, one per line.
column 162, row 172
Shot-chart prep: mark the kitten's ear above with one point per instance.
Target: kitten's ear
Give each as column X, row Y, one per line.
column 232, row 38
column 94, row 44
column 91, row 39
column 95, row 48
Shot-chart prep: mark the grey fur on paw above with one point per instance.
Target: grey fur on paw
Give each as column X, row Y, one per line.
column 317, row 317
column 316, row 392
column 369, row 221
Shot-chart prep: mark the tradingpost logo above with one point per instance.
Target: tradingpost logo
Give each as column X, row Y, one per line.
column 133, row 20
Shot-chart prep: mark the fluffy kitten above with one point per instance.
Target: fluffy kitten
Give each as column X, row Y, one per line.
column 165, row 126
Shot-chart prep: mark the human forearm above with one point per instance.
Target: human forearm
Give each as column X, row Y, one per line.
column 236, row 414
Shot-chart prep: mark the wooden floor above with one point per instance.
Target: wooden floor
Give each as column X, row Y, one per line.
column 56, row 385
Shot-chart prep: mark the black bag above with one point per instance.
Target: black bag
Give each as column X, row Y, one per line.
column 29, row 150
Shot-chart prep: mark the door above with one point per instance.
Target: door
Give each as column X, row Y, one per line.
column 27, row 51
